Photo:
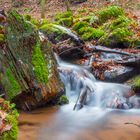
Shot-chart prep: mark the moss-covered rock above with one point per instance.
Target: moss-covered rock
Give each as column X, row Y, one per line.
column 11, row 119
column 91, row 33
column 66, row 21
column 81, row 24
column 63, row 100
column 116, row 37
column 29, row 70
column 66, row 14
column 109, row 13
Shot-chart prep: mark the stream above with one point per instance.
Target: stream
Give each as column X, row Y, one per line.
column 108, row 106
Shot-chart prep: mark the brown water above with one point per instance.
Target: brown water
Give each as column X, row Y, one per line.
column 56, row 123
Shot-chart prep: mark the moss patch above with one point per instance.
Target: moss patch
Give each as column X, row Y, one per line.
column 77, row 26
column 39, row 63
column 66, row 21
column 66, row 14
column 63, row 100
column 109, row 13
column 11, row 85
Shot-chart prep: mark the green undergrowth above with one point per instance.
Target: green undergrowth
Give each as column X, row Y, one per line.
column 39, row 63
column 109, row 26
column 11, row 119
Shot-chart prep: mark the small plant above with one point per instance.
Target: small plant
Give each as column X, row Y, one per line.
column 63, row 100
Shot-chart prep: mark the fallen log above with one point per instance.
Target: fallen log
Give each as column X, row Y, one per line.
column 67, row 49
column 107, row 50
column 131, row 62
column 82, row 98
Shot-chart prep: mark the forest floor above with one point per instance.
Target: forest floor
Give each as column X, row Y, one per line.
column 54, row 6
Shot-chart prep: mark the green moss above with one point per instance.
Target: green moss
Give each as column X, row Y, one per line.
column 39, row 63
column 43, row 22
column 115, row 37
column 136, row 83
column 35, row 22
column 119, row 22
column 54, row 31
column 2, row 37
column 66, row 14
column 77, row 26
column 66, row 21
column 93, row 20
column 11, row 85
column 27, row 17
column 49, row 29
column 121, row 33
column 89, row 33
column 109, row 13
column 14, row 15
column 92, row 34
column 63, row 100
column 11, row 119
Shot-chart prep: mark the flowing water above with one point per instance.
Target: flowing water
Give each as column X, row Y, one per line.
column 106, row 109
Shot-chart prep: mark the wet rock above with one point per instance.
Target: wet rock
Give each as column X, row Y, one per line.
column 119, row 74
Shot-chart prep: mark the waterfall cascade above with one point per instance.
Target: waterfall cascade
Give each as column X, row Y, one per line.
column 79, row 82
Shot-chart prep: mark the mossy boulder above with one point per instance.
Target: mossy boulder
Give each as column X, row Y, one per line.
column 10, row 120
column 117, row 38
column 66, row 21
column 110, row 12
column 29, row 70
column 136, row 84
column 89, row 33
column 81, row 24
